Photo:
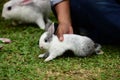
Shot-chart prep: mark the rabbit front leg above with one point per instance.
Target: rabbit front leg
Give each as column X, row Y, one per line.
column 40, row 22
column 45, row 55
column 48, row 23
column 53, row 54
column 50, row 57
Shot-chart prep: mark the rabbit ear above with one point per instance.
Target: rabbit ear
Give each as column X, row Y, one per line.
column 51, row 29
column 50, row 33
column 47, row 26
column 25, row 2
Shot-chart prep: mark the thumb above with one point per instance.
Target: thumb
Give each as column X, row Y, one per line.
column 60, row 36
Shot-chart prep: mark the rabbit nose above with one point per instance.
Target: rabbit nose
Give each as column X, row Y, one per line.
column 41, row 47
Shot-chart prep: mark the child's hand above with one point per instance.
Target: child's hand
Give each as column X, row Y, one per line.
column 63, row 29
column 5, row 40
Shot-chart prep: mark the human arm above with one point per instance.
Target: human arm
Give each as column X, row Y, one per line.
column 63, row 15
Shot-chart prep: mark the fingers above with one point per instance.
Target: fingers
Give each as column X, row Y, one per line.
column 61, row 38
column 71, row 30
column 63, row 29
column 60, row 34
column 5, row 40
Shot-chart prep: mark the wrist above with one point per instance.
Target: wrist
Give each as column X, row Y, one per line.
column 65, row 23
column 63, row 12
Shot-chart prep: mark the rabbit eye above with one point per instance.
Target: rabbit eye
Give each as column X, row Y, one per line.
column 46, row 40
column 9, row 8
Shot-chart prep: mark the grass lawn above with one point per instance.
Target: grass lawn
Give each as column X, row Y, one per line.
column 19, row 60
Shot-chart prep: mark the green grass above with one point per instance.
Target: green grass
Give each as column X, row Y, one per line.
column 19, row 60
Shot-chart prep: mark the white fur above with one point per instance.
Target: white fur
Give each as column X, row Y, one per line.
column 35, row 12
column 80, row 45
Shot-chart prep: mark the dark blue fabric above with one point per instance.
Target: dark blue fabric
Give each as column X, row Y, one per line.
column 100, row 19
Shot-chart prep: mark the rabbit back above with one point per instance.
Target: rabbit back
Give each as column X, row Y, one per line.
column 80, row 45
column 26, row 13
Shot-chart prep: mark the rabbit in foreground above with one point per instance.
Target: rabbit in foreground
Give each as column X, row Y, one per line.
column 80, row 45
column 30, row 11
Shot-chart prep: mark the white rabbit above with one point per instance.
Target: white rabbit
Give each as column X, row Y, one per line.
column 80, row 45
column 30, row 11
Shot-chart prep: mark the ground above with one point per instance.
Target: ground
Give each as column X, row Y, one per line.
column 19, row 59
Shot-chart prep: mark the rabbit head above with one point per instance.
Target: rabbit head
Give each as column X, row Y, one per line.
column 46, row 38
column 12, row 8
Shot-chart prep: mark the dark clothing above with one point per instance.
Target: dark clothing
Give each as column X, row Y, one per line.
column 97, row 19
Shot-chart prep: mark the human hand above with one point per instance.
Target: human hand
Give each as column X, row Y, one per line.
column 5, row 40
column 63, row 28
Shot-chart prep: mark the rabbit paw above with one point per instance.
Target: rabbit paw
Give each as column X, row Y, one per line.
column 99, row 52
column 41, row 55
column 49, row 58
column 44, row 55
